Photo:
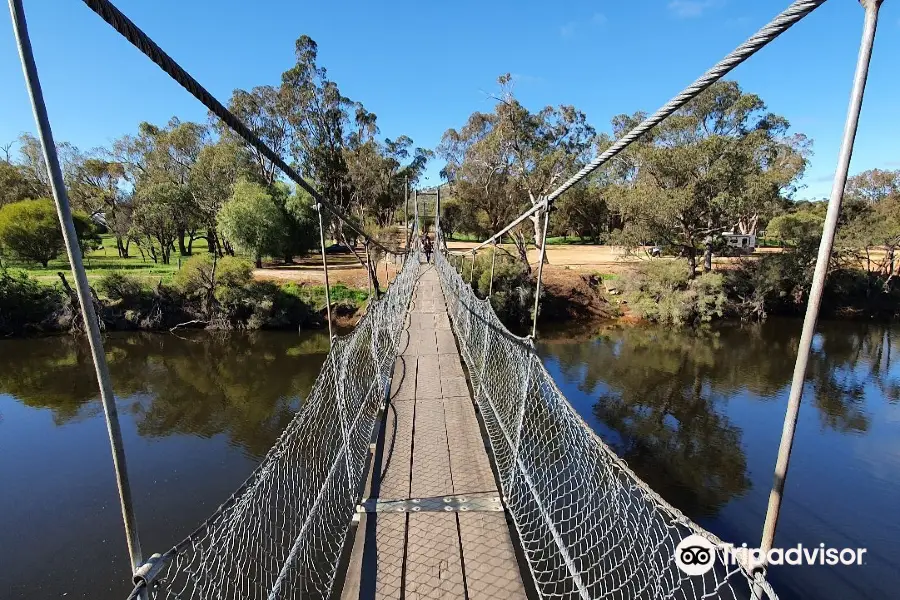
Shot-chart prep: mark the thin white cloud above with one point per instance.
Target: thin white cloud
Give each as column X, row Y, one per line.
column 570, row 29
column 690, row 9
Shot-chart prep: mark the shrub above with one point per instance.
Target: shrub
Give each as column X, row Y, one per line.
column 513, row 290
column 663, row 292
column 118, row 286
column 30, row 230
column 202, row 275
column 26, row 304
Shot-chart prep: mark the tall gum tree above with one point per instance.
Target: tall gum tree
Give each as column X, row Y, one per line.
column 506, row 160
column 723, row 162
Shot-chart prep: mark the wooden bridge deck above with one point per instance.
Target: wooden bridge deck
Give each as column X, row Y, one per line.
column 431, row 455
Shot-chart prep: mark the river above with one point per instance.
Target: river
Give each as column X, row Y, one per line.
column 697, row 415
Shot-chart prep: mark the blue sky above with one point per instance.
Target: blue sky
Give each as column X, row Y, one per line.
column 423, row 67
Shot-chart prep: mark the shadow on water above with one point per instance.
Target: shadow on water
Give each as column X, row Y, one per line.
column 698, row 415
column 198, row 412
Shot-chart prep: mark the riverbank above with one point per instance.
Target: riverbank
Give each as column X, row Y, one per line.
column 229, row 294
column 204, row 294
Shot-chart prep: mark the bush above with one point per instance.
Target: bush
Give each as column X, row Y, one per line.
column 513, row 290
column 663, row 292
column 202, row 275
column 27, row 305
column 30, row 230
column 121, row 287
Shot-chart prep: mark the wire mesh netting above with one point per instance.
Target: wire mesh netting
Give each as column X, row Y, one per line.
column 588, row 526
column 281, row 534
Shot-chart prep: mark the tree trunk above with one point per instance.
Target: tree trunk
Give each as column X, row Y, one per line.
column 538, row 229
column 212, row 243
column 181, row 248
column 258, row 261
column 707, row 258
column 692, row 259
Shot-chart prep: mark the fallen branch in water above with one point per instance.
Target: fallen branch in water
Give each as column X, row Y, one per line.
column 189, row 323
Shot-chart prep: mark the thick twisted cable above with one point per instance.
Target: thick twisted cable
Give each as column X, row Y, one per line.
column 791, row 15
column 140, row 40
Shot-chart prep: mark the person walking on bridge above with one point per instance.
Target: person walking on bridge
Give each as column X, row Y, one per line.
column 427, row 247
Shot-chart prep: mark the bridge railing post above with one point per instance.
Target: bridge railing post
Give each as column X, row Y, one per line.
column 540, row 274
column 368, row 269
column 493, row 261
column 318, row 208
column 818, row 283
column 472, row 268
column 73, row 250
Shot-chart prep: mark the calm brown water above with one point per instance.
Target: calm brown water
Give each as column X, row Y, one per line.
column 699, row 417
column 197, row 415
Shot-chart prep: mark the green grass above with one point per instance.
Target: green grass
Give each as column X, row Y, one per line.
column 106, row 260
column 314, row 295
column 606, row 276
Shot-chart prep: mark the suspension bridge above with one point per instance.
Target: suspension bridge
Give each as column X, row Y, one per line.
column 434, row 456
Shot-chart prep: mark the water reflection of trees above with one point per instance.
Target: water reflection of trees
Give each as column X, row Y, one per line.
column 661, row 391
column 242, row 386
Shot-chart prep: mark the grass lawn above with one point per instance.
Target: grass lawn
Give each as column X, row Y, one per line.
column 106, row 260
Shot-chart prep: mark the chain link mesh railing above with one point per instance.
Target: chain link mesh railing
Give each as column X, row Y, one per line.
column 281, row 534
column 589, row 527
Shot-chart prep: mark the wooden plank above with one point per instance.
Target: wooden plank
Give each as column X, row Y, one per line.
column 454, row 386
column 376, row 564
column 492, row 572
column 450, row 365
column 431, row 458
column 428, row 377
column 433, row 568
column 469, row 463
column 403, row 381
column 427, row 342
column 396, row 452
column 446, row 343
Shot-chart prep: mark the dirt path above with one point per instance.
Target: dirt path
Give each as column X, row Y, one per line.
column 342, row 269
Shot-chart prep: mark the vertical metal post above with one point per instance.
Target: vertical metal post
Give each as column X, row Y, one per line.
column 537, row 293
column 493, row 260
column 818, row 282
column 472, row 268
column 368, row 269
column 416, row 211
column 406, row 229
column 437, row 219
column 70, row 239
column 319, row 209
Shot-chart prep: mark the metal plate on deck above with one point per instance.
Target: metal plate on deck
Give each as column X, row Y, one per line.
column 445, row 504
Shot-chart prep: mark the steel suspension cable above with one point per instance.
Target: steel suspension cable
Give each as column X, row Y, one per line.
column 82, row 287
column 791, row 15
column 140, row 40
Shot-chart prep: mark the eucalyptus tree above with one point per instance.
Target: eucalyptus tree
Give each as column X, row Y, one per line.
column 874, row 185
column 158, row 155
column 722, row 162
column 503, row 161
